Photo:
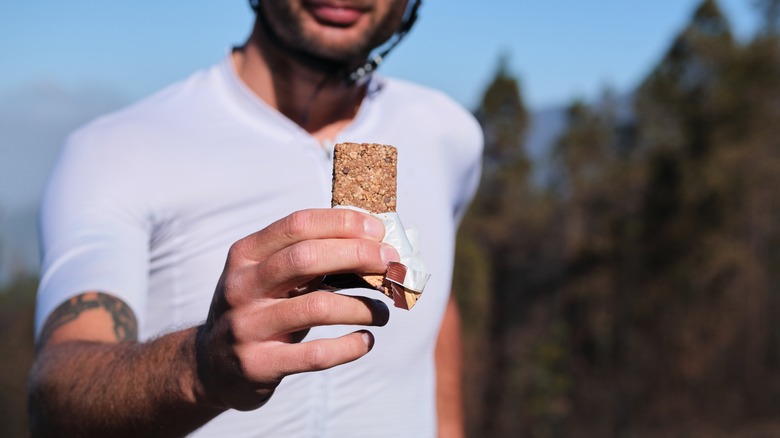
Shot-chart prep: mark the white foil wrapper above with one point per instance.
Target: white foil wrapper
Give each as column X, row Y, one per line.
column 406, row 242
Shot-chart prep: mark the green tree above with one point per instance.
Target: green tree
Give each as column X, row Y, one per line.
column 638, row 296
column 503, row 117
column 699, row 313
column 503, row 252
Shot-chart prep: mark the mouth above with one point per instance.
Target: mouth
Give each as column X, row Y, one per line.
column 334, row 13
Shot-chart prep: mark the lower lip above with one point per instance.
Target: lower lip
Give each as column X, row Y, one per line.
column 335, row 16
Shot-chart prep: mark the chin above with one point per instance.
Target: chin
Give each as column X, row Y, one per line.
column 340, row 46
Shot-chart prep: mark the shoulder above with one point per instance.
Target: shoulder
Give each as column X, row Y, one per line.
column 149, row 120
column 125, row 152
column 435, row 105
column 433, row 111
column 430, row 111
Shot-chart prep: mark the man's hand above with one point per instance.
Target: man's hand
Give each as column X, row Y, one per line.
column 266, row 301
column 92, row 377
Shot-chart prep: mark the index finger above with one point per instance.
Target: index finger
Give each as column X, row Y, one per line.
column 303, row 225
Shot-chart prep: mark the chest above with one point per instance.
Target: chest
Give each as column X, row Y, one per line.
column 214, row 196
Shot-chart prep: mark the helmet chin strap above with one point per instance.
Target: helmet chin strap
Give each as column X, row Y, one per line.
column 350, row 76
column 361, row 74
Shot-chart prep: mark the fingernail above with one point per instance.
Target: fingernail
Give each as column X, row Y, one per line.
column 381, row 313
column 374, row 227
column 368, row 339
column 389, row 254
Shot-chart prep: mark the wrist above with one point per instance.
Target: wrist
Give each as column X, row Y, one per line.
column 192, row 383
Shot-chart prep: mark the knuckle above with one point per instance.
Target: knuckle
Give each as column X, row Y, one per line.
column 365, row 253
column 318, row 305
column 315, row 356
column 297, row 223
column 350, row 221
column 235, row 252
column 302, row 258
column 235, row 329
column 231, row 286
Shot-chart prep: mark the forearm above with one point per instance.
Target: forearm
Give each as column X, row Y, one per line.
column 82, row 388
column 92, row 379
column 449, row 364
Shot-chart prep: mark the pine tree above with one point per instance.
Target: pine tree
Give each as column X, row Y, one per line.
column 505, row 236
column 503, row 118
column 677, row 103
column 639, row 297
column 705, row 222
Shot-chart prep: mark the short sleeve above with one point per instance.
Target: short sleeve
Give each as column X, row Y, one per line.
column 94, row 227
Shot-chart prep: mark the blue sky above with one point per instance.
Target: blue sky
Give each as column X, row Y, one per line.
column 561, row 49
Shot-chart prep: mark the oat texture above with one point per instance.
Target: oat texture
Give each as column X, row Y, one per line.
column 364, row 176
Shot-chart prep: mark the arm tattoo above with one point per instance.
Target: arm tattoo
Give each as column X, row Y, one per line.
column 125, row 324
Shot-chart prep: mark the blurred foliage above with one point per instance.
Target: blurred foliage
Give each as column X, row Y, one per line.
column 634, row 295
column 17, row 303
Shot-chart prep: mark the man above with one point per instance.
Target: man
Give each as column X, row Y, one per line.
column 152, row 207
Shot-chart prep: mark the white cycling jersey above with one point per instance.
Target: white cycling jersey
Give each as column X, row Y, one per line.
column 144, row 204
